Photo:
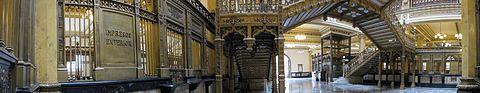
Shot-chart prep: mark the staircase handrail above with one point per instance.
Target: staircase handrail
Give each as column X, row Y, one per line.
column 360, row 59
column 391, row 17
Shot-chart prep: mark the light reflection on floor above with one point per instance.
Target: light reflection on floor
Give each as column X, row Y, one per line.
column 307, row 85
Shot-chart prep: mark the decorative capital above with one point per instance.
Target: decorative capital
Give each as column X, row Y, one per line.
column 249, row 42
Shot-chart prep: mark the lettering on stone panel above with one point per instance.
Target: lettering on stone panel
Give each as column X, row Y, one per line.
column 117, row 39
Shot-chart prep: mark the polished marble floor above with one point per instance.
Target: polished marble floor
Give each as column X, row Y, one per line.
column 307, row 85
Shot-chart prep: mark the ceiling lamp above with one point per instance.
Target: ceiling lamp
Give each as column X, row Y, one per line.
column 447, row 45
column 458, row 36
column 444, row 44
column 440, row 35
column 300, row 37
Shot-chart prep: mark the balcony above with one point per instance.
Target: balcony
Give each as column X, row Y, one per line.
column 422, row 11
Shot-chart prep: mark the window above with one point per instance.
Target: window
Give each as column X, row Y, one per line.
column 447, row 66
column 424, row 66
column 76, row 51
column 384, row 66
column 147, row 5
column 148, row 50
column 175, row 49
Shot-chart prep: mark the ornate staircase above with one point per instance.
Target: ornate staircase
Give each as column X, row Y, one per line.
column 375, row 18
column 254, row 66
column 362, row 64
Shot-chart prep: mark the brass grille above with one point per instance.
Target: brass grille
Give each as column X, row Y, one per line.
column 76, row 37
column 175, row 49
column 148, row 34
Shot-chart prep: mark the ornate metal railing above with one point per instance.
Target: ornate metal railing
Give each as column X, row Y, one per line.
column 390, row 17
column 7, row 72
column 439, row 50
column 429, row 11
column 357, row 62
column 290, row 2
column 248, row 6
column 423, row 3
column 199, row 6
column 298, row 6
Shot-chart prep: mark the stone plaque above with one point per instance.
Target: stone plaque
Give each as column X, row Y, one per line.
column 117, row 45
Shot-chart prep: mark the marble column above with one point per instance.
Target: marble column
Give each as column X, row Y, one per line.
column 46, row 43
column 361, row 46
column 219, row 61
column 469, row 46
column 274, row 74
column 392, row 67
column 380, row 67
column 403, row 69
column 281, row 75
column 413, row 69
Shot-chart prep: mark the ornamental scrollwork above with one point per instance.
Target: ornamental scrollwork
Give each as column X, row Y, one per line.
column 117, row 6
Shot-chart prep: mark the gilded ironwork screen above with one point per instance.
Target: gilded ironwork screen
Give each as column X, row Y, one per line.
column 196, row 55
column 175, row 49
column 77, row 35
column 76, row 29
column 210, row 53
column 148, row 34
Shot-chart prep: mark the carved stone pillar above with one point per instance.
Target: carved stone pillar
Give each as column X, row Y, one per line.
column 469, row 46
column 281, row 76
column 249, row 42
column 274, row 74
column 380, row 67
column 362, row 43
column 46, row 42
column 403, row 69
column 219, row 61
column 392, row 67
column 414, row 66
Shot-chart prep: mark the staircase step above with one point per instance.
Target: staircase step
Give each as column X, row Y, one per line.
column 377, row 28
column 378, row 31
column 381, row 34
column 384, row 37
column 374, row 25
column 370, row 21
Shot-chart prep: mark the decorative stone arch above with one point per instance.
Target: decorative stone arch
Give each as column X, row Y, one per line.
column 228, row 30
column 270, row 29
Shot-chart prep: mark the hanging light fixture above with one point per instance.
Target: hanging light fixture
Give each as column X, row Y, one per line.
column 458, row 36
column 445, row 44
column 300, row 37
column 440, row 35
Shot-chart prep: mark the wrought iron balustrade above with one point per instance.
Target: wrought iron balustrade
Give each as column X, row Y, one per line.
column 356, row 62
column 423, row 3
column 199, row 6
column 290, row 2
column 248, row 6
column 430, row 12
column 391, row 17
